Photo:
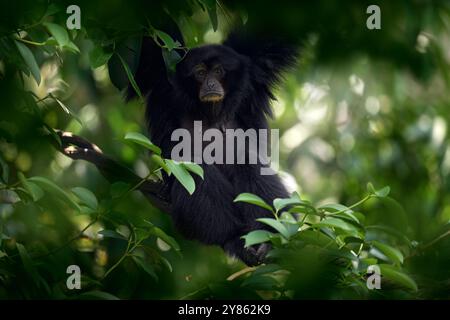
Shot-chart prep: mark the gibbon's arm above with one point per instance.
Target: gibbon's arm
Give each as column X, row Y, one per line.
column 151, row 73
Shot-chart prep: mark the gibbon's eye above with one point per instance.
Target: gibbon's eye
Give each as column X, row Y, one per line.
column 200, row 72
column 218, row 70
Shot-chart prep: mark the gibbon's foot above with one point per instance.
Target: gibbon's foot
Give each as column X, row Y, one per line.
column 259, row 252
column 251, row 256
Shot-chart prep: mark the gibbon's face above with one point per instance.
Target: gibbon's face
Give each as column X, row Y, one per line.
column 210, row 74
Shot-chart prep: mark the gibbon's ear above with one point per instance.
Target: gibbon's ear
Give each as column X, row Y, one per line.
column 151, row 70
column 270, row 57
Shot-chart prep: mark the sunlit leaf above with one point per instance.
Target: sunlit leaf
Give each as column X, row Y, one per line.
column 383, row 192
column 340, row 210
column 166, row 263
column 112, row 234
column 336, row 223
column 256, row 237
column 280, row 203
column 253, row 199
column 194, row 168
column 182, row 175
column 142, row 140
column 160, row 161
column 277, row 225
column 72, row 47
column 167, row 39
column 392, row 253
column 158, row 232
column 397, row 276
column 212, row 12
column 59, row 33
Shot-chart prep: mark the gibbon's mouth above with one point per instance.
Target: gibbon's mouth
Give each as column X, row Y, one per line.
column 212, row 97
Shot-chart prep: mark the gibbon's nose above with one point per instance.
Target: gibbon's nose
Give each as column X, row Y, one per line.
column 211, row 84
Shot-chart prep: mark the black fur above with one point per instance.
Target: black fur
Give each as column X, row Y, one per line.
column 252, row 69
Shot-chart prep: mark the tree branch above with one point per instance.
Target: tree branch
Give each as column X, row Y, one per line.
column 78, row 148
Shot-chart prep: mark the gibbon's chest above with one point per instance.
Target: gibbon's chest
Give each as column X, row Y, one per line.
column 221, row 143
column 204, row 143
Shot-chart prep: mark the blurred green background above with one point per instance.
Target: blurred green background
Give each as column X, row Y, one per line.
column 360, row 106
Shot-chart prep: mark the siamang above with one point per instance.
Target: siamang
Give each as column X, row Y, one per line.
column 224, row 86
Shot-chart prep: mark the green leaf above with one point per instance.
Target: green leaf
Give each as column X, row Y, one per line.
column 212, row 12
column 194, row 168
column 280, row 203
column 28, row 56
column 158, row 232
column 166, row 263
column 53, row 134
column 340, row 210
column 171, row 59
column 277, row 225
column 369, row 261
column 392, row 253
column 52, row 188
column 28, row 263
column 253, row 199
column 131, row 77
column 86, row 196
column 167, row 39
column 291, row 224
column 383, row 192
column 335, row 207
column 380, row 193
column 336, row 223
column 59, row 33
column 397, row 276
column 141, row 262
column 4, row 170
column 182, row 175
column 287, row 217
column 118, row 189
column 99, row 56
column 162, row 245
column 86, row 210
column 31, row 105
column 370, row 188
column 112, row 234
column 142, row 140
column 160, row 161
column 72, row 47
column 268, row 268
column 33, row 190
column 257, row 236
column 67, row 110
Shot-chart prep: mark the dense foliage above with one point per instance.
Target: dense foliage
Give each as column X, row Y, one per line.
column 361, row 107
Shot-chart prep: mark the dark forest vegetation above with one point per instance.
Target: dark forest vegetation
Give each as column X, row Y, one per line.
column 360, row 109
